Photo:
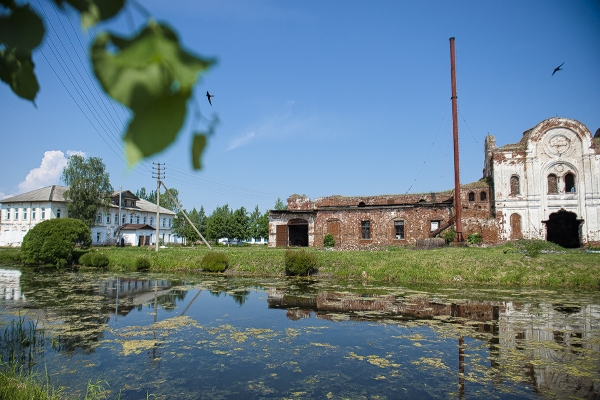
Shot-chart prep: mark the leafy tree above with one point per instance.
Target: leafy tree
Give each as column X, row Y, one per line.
column 89, row 187
column 150, row 72
column 165, row 199
column 218, row 225
column 263, row 225
column 279, row 205
column 253, row 227
column 259, row 224
column 240, row 224
column 182, row 228
column 52, row 241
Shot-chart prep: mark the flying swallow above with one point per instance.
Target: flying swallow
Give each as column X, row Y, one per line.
column 557, row 69
column 208, row 96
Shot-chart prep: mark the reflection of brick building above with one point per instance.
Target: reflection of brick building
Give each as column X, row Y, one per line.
column 544, row 187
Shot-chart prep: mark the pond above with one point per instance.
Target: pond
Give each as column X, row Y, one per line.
column 217, row 337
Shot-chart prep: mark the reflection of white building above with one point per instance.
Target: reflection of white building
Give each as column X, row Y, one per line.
column 10, row 287
column 136, row 224
column 550, row 338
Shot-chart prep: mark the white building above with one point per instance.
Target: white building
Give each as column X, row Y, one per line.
column 547, row 186
column 136, row 225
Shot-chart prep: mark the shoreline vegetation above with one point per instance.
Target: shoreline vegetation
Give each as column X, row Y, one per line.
column 521, row 263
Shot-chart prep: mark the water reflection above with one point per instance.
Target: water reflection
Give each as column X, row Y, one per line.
column 552, row 339
column 10, row 288
column 429, row 343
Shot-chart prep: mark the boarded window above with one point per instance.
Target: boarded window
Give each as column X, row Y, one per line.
column 471, row 196
column 570, row 183
column 399, row 229
column 514, row 185
column 483, row 196
column 365, row 228
column 516, row 232
column 552, row 184
column 333, row 227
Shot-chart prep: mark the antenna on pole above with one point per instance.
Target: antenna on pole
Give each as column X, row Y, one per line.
column 457, row 204
column 158, row 175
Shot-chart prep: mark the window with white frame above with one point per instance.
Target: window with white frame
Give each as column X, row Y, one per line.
column 16, row 214
column 7, row 214
column 164, row 222
column 43, row 212
column 123, row 219
column 144, row 220
column 24, row 213
column 131, row 218
column 58, row 213
column 435, row 225
column 151, row 221
column 99, row 218
column 107, row 218
column 169, row 222
column 116, row 219
column 137, row 219
column 33, row 213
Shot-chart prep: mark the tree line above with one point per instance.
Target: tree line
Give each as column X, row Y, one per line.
column 90, row 189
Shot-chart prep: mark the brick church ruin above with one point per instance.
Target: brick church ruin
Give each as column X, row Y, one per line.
column 546, row 186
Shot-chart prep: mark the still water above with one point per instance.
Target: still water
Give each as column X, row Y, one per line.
column 215, row 337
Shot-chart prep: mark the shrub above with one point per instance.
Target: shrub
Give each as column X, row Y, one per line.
column 99, row 260
column 328, row 240
column 474, row 238
column 142, row 264
column 300, row 262
column 215, row 262
column 86, row 259
column 448, row 235
column 52, row 242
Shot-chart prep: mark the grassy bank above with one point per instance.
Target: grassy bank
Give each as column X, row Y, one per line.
column 542, row 265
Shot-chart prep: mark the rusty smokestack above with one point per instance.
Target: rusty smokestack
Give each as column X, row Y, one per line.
column 457, row 203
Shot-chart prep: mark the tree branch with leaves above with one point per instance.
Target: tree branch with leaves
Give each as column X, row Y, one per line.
column 149, row 72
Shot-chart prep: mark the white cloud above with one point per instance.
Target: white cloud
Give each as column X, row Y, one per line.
column 3, row 195
column 241, row 141
column 49, row 171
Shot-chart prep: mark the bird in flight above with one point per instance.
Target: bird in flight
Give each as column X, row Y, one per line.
column 208, row 96
column 557, row 69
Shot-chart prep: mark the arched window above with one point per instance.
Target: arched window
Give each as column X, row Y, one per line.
column 483, row 196
column 570, row 183
column 361, row 204
column 552, row 184
column 471, row 196
column 514, row 185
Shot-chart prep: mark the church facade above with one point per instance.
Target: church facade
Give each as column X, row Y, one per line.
column 546, row 186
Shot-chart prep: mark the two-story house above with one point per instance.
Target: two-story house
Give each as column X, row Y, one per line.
column 128, row 219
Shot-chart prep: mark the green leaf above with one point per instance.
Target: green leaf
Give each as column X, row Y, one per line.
column 94, row 11
column 22, row 30
column 198, row 145
column 145, row 66
column 18, row 73
column 151, row 74
column 155, row 127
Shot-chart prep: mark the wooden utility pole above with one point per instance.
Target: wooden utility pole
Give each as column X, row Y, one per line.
column 457, row 203
column 158, row 176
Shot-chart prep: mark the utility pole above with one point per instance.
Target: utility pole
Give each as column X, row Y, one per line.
column 158, row 177
column 457, row 203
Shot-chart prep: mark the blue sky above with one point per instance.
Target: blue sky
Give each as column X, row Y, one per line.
column 318, row 97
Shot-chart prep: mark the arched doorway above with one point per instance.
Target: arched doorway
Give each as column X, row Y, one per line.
column 563, row 229
column 298, row 232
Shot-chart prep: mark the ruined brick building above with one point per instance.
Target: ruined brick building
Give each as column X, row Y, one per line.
column 546, row 186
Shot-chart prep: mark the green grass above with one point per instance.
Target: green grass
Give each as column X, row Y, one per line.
column 16, row 385
column 520, row 263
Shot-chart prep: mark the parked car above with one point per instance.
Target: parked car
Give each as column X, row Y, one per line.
column 235, row 242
